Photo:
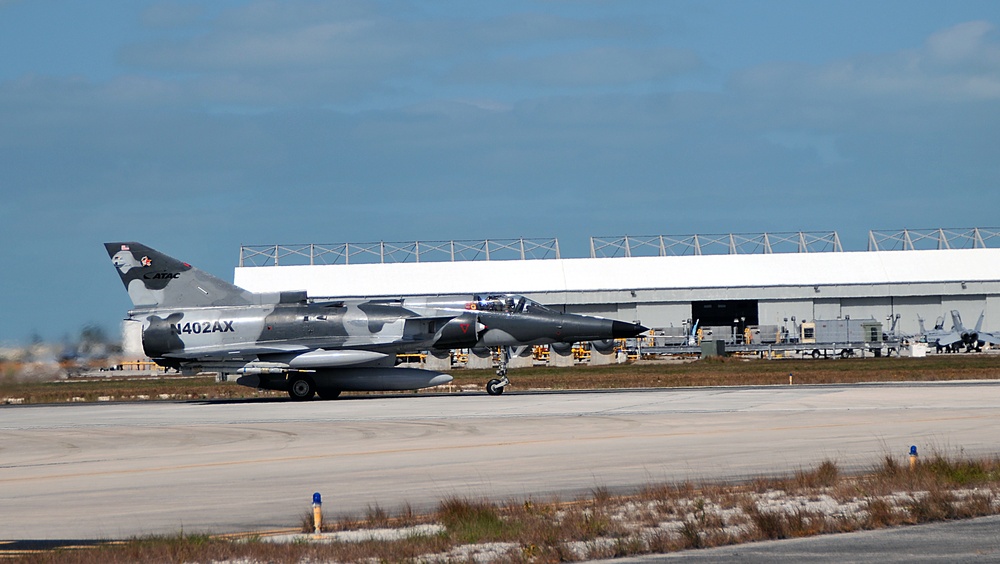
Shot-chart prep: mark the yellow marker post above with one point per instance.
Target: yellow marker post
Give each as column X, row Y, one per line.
column 317, row 512
column 913, row 457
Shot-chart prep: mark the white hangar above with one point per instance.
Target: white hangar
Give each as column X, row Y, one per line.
column 666, row 281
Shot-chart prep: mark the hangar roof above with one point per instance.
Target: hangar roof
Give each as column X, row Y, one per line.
column 631, row 273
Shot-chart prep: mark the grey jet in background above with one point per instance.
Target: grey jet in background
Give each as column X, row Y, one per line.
column 959, row 336
column 194, row 322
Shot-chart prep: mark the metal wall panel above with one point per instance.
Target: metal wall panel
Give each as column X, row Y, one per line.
column 826, row 308
column 664, row 314
column 776, row 312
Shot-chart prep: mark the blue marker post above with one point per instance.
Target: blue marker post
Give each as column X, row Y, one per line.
column 317, row 511
column 913, row 457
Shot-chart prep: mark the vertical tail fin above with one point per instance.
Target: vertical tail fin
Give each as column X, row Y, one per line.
column 979, row 324
column 154, row 279
column 956, row 321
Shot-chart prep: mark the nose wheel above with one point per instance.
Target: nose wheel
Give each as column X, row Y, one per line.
column 496, row 386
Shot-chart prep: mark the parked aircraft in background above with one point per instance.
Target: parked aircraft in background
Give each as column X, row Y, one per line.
column 959, row 335
column 193, row 321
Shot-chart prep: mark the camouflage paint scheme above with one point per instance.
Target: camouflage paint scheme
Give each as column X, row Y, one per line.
column 193, row 321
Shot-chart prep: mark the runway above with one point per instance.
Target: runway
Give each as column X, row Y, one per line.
column 120, row 470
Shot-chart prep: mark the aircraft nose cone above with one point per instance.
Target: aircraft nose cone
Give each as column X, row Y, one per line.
column 624, row 330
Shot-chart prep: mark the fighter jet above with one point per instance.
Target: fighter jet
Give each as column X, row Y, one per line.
column 193, row 322
column 959, row 336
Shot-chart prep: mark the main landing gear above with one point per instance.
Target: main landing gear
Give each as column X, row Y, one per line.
column 496, row 386
column 301, row 388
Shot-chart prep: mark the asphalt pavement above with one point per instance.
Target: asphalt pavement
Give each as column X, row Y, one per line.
column 968, row 541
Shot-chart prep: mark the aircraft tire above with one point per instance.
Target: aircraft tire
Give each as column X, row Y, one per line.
column 493, row 388
column 815, row 353
column 301, row 388
column 328, row 394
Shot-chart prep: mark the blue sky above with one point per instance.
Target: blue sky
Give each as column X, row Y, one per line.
column 199, row 126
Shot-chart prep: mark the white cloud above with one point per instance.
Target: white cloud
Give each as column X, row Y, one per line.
column 327, row 53
column 961, row 63
column 964, row 43
column 310, row 45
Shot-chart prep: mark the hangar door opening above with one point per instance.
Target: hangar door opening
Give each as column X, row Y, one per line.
column 725, row 313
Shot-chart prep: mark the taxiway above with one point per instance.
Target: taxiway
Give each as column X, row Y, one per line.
column 120, row 470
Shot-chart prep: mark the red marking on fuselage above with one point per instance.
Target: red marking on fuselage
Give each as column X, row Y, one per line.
column 465, row 327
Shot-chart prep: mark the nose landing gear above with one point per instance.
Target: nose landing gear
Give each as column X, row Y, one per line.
column 496, row 386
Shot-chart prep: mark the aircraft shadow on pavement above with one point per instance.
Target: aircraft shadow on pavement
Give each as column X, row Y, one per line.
column 279, row 399
column 224, row 401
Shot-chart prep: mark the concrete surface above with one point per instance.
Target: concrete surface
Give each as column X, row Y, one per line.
column 118, row 470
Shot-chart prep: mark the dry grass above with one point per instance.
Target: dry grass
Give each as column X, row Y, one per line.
column 751, row 372
column 658, row 518
column 128, row 389
column 721, row 372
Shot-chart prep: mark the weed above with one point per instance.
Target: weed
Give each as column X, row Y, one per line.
column 627, row 546
column 600, row 495
column 763, row 484
column 975, row 504
column 935, row 505
column 824, row 476
column 769, row 524
column 881, row 513
column 960, row 472
column 588, row 524
column 407, row 516
column 307, row 524
column 661, row 542
column 890, row 468
column 803, row 523
column 472, row 521
column 377, row 517
column 691, row 534
column 699, row 510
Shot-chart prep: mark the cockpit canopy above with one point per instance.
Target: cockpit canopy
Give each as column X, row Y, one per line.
column 506, row 303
